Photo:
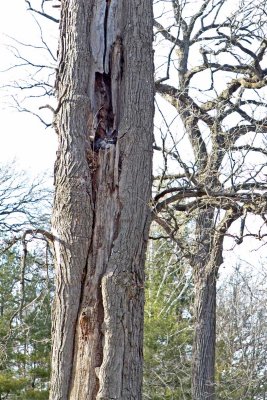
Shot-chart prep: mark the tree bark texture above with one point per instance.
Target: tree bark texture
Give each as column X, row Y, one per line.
column 102, row 191
column 205, row 271
column 210, row 233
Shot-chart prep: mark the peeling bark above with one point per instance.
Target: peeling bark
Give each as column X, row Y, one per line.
column 103, row 187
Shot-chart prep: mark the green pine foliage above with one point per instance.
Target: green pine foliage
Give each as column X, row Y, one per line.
column 168, row 333
column 25, row 327
column 25, row 333
column 241, row 330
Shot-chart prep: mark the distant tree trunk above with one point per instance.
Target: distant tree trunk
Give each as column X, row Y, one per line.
column 205, row 112
column 207, row 260
column 205, row 271
column 102, row 191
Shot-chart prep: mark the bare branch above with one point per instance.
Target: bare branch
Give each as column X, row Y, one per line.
column 166, row 34
column 42, row 13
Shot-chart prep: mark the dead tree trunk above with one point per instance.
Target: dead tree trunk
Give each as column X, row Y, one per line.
column 103, row 186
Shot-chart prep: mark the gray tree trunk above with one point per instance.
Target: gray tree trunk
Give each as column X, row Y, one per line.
column 102, row 192
column 207, row 260
column 203, row 386
column 205, row 271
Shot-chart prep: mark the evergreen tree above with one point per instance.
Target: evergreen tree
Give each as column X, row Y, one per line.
column 25, row 326
column 168, row 324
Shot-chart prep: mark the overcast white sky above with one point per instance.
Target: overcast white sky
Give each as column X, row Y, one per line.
column 22, row 136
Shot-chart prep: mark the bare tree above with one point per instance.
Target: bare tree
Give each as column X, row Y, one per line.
column 45, row 8
column 103, row 173
column 25, row 209
column 217, row 79
column 29, row 78
column 242, row 335
column 24, row 204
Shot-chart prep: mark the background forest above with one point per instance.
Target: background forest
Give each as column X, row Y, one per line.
column 208, row 207
column 241, row 328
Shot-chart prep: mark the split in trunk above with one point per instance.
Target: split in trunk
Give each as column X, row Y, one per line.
column 103, row 187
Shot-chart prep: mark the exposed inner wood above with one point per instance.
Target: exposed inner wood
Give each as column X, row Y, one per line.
column 101, row 213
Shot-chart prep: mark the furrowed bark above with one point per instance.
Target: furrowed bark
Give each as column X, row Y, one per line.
column 103, row 187
column 203, row 387
column 205, row 277
column 207, row 260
